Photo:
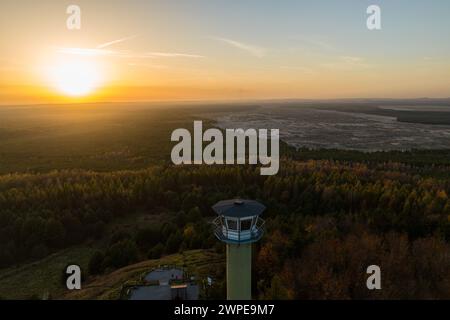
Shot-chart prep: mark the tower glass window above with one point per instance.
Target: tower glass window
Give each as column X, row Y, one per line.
column 232, row 224
column 246, row 224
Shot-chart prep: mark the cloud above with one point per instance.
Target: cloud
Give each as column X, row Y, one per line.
column 315, row 43
column 152, row 55
column 172, row 55
column 86, row 51
column 107, row 44
column 101, row 51
column 256, row 51
column 348, row 62
column 146, row 65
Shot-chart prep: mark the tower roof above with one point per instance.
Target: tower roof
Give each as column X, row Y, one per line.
column 238, row 208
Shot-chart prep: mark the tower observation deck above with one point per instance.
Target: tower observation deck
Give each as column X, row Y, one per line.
column 239, row 224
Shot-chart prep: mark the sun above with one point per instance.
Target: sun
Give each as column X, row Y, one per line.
column 75, row 78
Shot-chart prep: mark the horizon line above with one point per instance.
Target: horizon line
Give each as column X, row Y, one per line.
column 230, row 101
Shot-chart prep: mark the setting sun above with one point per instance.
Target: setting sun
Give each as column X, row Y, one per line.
column 75, row 77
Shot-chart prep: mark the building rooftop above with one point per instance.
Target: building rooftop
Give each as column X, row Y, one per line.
column 238, row 208
column 164, row 276
column 165, row 292
column 168, row 287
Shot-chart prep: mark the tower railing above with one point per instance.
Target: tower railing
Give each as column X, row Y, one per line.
column 234, row 236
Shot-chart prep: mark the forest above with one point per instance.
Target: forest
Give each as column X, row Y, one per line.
column 327, row 220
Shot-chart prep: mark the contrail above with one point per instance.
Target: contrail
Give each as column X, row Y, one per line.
column 107, row 44
column 254, row 50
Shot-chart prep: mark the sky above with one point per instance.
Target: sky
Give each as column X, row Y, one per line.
column 138, row 50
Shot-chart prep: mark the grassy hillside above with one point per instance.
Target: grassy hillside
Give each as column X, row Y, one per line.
column 44, row 278
column 41, row 278
column 197, row 262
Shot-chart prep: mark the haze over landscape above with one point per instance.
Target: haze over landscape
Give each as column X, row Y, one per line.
column 369, row 126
